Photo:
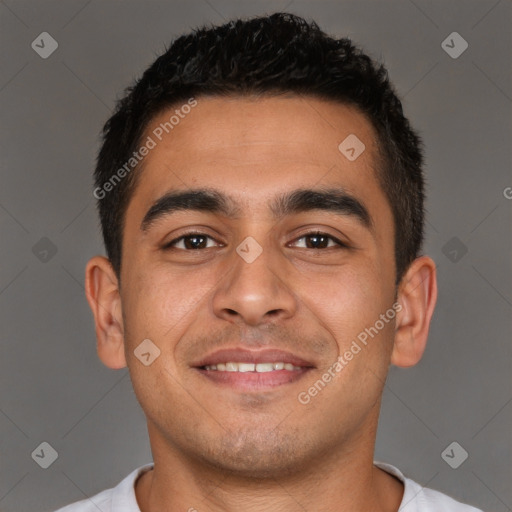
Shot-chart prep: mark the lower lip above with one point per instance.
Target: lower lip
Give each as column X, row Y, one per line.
column 254, row 381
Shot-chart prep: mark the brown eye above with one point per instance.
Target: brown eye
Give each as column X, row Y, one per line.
column 319, row 240
column 190, row 242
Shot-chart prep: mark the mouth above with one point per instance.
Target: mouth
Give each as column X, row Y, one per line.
column 232, row 366
column 245, row 370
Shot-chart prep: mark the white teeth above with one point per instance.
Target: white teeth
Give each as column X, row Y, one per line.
column 265, row 367
column 252, row 367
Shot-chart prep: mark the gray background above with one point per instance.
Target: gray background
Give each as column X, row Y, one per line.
column 53, row 387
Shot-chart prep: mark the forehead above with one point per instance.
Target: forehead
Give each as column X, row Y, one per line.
column 256, row 148
column 254, row 127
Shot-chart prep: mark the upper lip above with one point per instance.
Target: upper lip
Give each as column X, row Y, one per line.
column 241, row 355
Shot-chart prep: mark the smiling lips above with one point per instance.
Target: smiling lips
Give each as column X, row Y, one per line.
column 252, row 367
column 247, row 370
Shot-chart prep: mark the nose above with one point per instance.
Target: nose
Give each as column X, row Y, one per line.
column 254, row 293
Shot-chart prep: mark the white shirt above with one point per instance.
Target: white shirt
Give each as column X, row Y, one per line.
column 416, row 498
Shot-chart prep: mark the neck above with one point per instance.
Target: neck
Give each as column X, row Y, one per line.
column 336, row 481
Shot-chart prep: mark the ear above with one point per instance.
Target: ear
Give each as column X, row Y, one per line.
column 417, row 295
column 102, row 291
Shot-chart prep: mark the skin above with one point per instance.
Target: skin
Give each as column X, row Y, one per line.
column 216, row 448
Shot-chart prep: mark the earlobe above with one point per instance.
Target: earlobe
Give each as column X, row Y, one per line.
column 102, row 292
column 417, row 296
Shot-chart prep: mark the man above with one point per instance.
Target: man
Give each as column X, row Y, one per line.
column 261, row 199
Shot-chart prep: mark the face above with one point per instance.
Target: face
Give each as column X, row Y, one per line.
column 257, row 272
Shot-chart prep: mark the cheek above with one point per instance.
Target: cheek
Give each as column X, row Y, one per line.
column 158, row 304
column 349, row 305
column 346, row 301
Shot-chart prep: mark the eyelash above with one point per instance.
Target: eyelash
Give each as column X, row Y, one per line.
column 172, row 243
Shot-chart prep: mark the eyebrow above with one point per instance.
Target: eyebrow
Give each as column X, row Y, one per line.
column 333, row 200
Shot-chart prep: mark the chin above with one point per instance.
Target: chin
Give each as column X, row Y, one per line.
column 257, row 455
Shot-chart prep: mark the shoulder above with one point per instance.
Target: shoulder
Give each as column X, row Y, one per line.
column 421, row 499
column 120, row 498
column 429, row 500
